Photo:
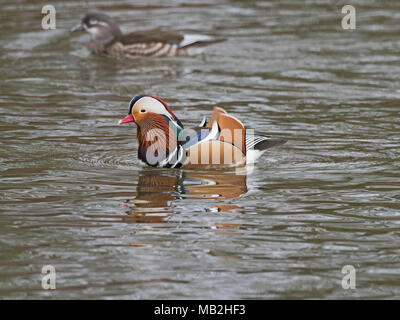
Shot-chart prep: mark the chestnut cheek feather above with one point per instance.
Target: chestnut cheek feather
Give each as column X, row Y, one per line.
column 149, row 122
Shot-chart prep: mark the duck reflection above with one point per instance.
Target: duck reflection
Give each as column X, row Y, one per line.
column 158, row 191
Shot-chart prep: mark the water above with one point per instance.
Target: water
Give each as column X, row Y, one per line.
column 74, row 195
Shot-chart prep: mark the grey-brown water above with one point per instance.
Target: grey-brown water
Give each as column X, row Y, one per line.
column 74, row 195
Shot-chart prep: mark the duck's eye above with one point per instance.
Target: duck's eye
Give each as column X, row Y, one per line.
column 142, row 111
column 93, row 21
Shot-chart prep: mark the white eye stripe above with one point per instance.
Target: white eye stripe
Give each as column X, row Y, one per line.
column 97, row 22
column 150, row 104
column 105, row 24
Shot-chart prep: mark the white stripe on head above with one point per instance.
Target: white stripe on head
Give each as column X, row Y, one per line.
column 150, row 104
column 94, row 29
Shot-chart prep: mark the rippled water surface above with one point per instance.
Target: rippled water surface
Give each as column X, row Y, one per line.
column 74, row 195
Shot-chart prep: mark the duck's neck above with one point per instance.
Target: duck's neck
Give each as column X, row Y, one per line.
column 158, row 138
column 101, row 37
column 98, row 45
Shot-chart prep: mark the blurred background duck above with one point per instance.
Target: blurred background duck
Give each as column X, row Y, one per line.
column 108, row 40
column 222, row 141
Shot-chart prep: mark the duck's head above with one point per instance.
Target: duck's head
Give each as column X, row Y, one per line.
column 148, row 111
column 157, row 128
column 99, row 25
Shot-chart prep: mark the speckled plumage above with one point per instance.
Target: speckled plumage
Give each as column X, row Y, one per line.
column 108, row 40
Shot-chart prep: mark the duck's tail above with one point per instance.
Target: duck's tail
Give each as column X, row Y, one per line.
column 257, row 144
column 197, row 41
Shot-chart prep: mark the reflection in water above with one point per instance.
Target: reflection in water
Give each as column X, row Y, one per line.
column 157, row 190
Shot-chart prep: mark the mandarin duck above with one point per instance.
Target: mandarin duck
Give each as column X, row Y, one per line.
column 222, row 141
column 108, row 40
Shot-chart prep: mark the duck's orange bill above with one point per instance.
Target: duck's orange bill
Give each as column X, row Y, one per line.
column 128, row 118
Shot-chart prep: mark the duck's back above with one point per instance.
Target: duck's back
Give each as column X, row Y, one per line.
column 149, row 36
column 156, row 43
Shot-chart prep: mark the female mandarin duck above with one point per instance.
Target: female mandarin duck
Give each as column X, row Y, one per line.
column 108, row 40
column 221, row 142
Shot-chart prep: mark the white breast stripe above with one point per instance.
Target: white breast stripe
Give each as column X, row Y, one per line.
column 162, row 164
column 180, row 157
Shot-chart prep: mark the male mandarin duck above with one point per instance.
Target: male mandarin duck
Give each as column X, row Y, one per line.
column 164, row 142
column 108, row 40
